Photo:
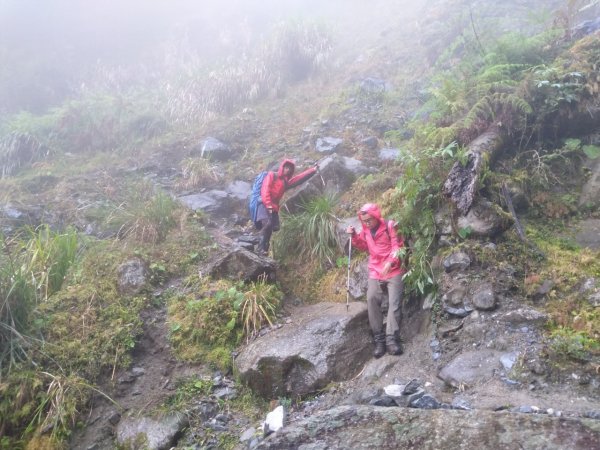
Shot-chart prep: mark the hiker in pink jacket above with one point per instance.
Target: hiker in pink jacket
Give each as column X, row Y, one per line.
column 380, row 239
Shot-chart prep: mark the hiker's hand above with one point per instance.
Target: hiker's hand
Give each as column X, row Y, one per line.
column 386, row 268
column 270, row 211
column 350, row 230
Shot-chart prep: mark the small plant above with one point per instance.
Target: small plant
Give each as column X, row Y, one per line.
column 572, row 344
column 257, row 307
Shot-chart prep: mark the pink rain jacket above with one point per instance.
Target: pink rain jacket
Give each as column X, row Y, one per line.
column 273, row 187
column 382, row 247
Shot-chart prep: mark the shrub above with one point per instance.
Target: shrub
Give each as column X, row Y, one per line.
column 257, row 307
column 30, row 271
column 197, row 172
column 147, row 215
column 311, row 234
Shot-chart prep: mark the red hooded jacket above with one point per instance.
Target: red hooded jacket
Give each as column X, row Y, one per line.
column 273, row 187
column 382, row 247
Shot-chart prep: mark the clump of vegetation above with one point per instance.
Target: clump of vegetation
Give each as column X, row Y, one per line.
column 197, row 172
column 147, row 214
column 31, row 270
column 212, row 318
column 257, row 307
column 309, row 235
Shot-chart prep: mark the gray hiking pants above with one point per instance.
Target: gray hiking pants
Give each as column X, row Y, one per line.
column 377, row 290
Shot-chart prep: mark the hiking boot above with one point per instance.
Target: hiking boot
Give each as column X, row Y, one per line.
column 394, row 345
column 379, row 345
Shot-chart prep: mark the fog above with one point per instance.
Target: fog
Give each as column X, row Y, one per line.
column 48, row 47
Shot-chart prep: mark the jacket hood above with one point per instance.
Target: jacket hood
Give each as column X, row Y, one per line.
column 283, row 163
column 372, row 209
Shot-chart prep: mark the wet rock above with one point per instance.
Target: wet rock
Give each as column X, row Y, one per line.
column 459, row 312
column 241, row 264
column 215, row 202
column 239, row 190
column 484, row 297
column 389, row 154
column 456, row 261
column 508, row 360
column 132, row 276
column 369, row 427
column 524, row 315
column 370, row 142
column 323, row 344
column 461, row 403
column 328, row 145
column 484, row 219
column 412, row 387
column 215, row 150
column 589, row 230
column 426, row 402
column 383, row 400
column 155, row 434
column 371, row 85
column 455, row 296
column 470, row 368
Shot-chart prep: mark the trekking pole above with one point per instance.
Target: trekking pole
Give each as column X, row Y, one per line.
column 319, row 172
column 348, row 282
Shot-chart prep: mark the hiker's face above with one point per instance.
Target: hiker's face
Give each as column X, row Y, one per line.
column 368, row 220
column 287, row 169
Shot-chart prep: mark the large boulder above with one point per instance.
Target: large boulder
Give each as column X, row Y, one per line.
column 336, row 175
column 485, row 219
column 372, row 427
column 240, row 264
column 324, row 343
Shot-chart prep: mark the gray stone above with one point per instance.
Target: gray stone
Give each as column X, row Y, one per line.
column 508, row 360
column 484, row 219
column 248, row 435
column 589, row 233
column 470, row 368
column 370, row 142
column 153, row 434
column 389, row 154
column 455, row 296
column 239, row 189
column 274, row 421
column 240, row 264
column 484, row 297
column 132, row 276
column 383, row 400
column 214, row 202
column 426, row 402
column 590, row 194
column 412, row 387
column 372, row 85
column 524, row 315
column 370, row 427
column 324, row 344
column 459, row 312
column 334, row 177
column 457, row 261
column 328, row 144
column 461, row 403
column 215, row 150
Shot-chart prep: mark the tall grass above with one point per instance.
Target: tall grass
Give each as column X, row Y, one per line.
column 311, row 234
column 146, row 216
column 257, row 307
column 31, row 269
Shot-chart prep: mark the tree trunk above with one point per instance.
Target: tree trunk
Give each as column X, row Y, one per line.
column 462, row 183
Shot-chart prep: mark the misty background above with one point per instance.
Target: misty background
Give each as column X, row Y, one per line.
column 50, row 50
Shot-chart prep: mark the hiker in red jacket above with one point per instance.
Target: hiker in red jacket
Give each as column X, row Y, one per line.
column 379, row 238
column 271, row 192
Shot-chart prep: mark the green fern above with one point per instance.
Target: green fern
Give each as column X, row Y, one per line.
column 487, row 108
